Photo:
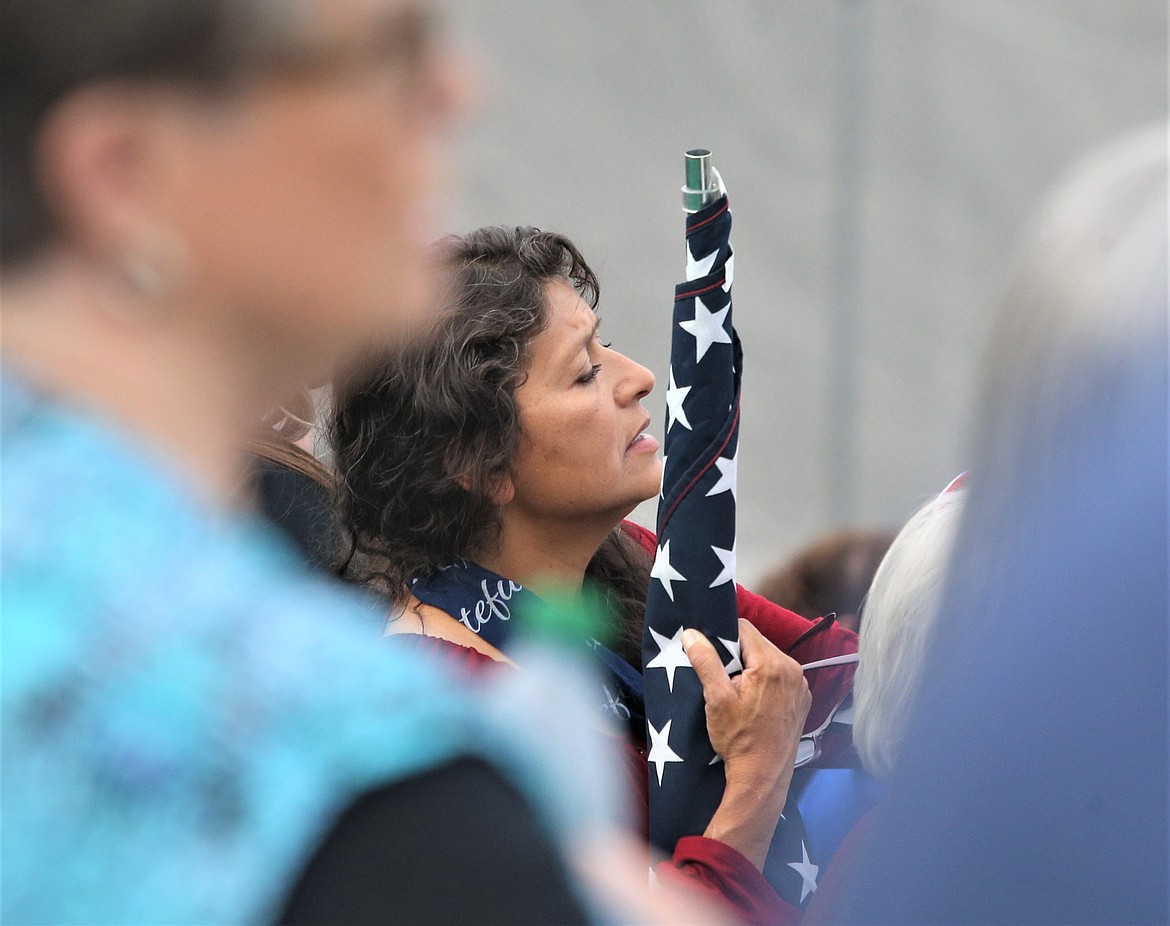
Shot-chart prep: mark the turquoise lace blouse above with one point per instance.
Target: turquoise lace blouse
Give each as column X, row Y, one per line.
column 184, row 711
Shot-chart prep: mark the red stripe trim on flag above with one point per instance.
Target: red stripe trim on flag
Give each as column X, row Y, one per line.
column 699, row 292
column 707, row 221
column 699, row 475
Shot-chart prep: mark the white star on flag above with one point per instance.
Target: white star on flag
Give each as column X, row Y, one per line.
column 729, row 272
column 664, row 572
column 676, row 395
column 660, row 751
column 806, row 869
column 727, row 479
column 706, row 327
column 736, row 664
column 697, row 269
column 671, row 655
column 727, row 558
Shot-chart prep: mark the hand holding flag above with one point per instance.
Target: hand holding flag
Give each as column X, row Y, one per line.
column 754, row 720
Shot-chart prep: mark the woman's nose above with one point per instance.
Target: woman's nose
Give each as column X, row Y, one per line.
column 637, row 382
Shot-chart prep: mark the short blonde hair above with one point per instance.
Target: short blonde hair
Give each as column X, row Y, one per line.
column 900, row 612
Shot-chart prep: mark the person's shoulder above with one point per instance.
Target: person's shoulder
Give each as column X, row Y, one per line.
column 433, row 629
column 463, row 659
column 106, row 542
column 79, row 490
column 327, row 644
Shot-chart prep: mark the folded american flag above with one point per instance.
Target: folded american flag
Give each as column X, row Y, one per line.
column 693, row 579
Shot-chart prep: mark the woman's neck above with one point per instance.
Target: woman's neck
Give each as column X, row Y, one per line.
column 544, row 556
column 165, row 379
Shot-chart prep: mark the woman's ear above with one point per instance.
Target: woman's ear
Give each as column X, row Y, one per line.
column 98, row 154
column 500, row 488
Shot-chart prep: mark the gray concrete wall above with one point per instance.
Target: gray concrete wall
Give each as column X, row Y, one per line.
column 883, row 157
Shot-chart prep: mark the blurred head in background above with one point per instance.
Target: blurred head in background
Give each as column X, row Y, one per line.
column 1039, row 740
column 900, row 612
column 829, row 576
column 291, row 486
column 233, row 193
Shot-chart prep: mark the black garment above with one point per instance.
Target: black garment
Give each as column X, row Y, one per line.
column 456, row 845
column 302, row 509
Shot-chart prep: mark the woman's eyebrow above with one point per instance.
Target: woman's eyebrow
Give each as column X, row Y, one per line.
column 584, row 343
column 570, row 355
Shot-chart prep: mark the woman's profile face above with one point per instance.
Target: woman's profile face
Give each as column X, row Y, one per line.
column 583, row 454
column 308, row 198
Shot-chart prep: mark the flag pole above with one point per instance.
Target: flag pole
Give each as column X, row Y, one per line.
column 703, row 185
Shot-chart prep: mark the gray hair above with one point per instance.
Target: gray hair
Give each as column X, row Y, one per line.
column 900, row 613
column 1087, row 305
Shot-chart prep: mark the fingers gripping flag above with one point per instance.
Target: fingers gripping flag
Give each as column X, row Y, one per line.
column 692, row 582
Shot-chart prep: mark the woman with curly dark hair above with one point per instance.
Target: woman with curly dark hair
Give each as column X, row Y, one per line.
column 498, row 459
column 416, row 504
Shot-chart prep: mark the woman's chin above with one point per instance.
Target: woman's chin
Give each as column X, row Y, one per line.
column 647, row 487
column 627, row 507
column 646, row 493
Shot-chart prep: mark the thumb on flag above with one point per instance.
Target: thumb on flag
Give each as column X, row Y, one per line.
column 707, row 665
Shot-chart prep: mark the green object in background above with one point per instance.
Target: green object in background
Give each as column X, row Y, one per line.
column 567, row 618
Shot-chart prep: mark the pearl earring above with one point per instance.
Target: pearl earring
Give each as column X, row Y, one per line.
column 157, row 265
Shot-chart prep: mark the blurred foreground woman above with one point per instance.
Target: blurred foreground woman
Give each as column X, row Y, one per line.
column 1033, row 788
column 205, row 204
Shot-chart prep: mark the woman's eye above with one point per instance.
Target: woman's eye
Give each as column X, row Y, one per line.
column 607, row 345
column 591, row 375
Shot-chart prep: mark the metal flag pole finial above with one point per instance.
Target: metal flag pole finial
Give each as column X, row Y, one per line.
column 704, row 185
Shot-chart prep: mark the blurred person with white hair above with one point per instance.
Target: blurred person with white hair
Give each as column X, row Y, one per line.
column 1032, row 785
column 901, row 610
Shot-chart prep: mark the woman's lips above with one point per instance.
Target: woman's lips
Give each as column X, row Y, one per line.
column 643, row 443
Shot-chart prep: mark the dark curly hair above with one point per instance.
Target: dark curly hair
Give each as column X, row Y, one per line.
column 422, row 433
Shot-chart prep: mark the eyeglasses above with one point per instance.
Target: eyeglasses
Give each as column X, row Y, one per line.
column 840, row 717
column 402, row 44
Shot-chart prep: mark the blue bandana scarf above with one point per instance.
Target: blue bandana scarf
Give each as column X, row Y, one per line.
column 486, row 602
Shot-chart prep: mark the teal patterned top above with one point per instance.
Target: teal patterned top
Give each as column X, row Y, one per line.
column 184, row 710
